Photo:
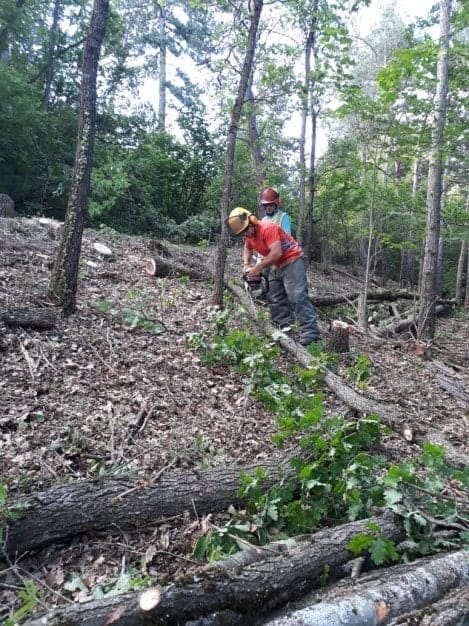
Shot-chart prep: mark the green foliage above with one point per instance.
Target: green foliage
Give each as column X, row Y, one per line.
column 155, row 187
column 30, row 597
column 359, row 372
column 337, row 474
column 9, row 513
column 128, row 580
column 219, row 544
column 428, row 493
column 380, row 548
column 132, row 317
column 334, row 479
column 21, row 122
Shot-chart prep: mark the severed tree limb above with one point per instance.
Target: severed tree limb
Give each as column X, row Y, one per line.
column 381, row 596
column 398, row 325
column 252, row 591
column 391, row 415
column 173, row 260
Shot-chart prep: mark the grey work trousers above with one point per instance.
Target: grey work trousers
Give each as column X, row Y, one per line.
column 289, row 301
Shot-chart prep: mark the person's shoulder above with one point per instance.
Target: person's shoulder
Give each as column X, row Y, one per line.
column 271, row 228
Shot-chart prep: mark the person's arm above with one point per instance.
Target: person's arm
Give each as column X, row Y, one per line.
column 247, row 258
column 275, row 252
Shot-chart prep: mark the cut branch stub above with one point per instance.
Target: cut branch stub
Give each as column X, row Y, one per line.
column 149, row 599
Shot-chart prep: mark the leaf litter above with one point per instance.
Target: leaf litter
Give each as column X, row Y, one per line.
column 103, row 394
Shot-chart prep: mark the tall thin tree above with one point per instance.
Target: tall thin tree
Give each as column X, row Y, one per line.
column 63, row 283
column 255, row 10
column 428, row 290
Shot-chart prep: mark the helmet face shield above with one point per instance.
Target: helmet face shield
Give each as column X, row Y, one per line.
column 238, row 220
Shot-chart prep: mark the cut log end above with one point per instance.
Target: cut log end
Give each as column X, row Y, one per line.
column 102, row 249
column 149, row 599
column 150, row 266
column 407, row 433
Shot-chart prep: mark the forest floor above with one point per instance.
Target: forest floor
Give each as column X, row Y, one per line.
column 72, row 398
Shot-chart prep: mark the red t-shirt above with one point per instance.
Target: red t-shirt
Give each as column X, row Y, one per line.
column 267, row 233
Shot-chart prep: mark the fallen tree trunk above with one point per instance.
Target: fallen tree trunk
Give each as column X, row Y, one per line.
column 377, row 296
column 254, row 591
column 62, row 512
column 38, row 318
column 386, row 594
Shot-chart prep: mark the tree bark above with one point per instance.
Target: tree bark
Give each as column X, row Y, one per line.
column 253, row 135
column 386, row 594
column 452, row 610
column 157, row 266
column 459, row 291
column 255, row 590
column 427, row 317
column 64, row 278
column 62, row 512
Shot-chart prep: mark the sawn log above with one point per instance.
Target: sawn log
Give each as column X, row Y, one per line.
column 384, row 594
column 62, row 512
column 253, row 591
column 38, row 318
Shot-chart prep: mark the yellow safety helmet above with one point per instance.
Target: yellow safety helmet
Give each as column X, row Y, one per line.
column 238, row 220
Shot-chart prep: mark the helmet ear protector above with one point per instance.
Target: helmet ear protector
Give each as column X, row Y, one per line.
column 238, row 221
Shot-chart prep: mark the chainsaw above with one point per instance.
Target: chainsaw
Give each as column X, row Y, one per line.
column 256, row 286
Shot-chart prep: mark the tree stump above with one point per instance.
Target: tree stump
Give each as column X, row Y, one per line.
column 7, row 206
column 338, row 340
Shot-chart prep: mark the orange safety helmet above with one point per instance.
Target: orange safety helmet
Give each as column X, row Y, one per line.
column 270, row 196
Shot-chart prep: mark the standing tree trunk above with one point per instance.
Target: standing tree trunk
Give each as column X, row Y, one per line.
column 6, row 31
column 63, row 283
column 427, row 316
column 408, row 257
column 255, row 8
column 50, row 55
column 466, row 299
column 253, row 134
column 459, row 289
column 460, row 272
column 162, row 72
column 313, row 114
column 304, row 116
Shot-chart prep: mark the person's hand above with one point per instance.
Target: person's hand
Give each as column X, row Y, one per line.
column 255, row 271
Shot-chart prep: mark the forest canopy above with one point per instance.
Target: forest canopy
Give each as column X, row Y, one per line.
column 158, row 166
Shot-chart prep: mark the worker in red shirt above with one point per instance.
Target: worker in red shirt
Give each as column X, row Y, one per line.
column 287, row 297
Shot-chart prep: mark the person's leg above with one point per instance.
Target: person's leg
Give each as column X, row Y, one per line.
column 296, row 288
column 281, row 312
